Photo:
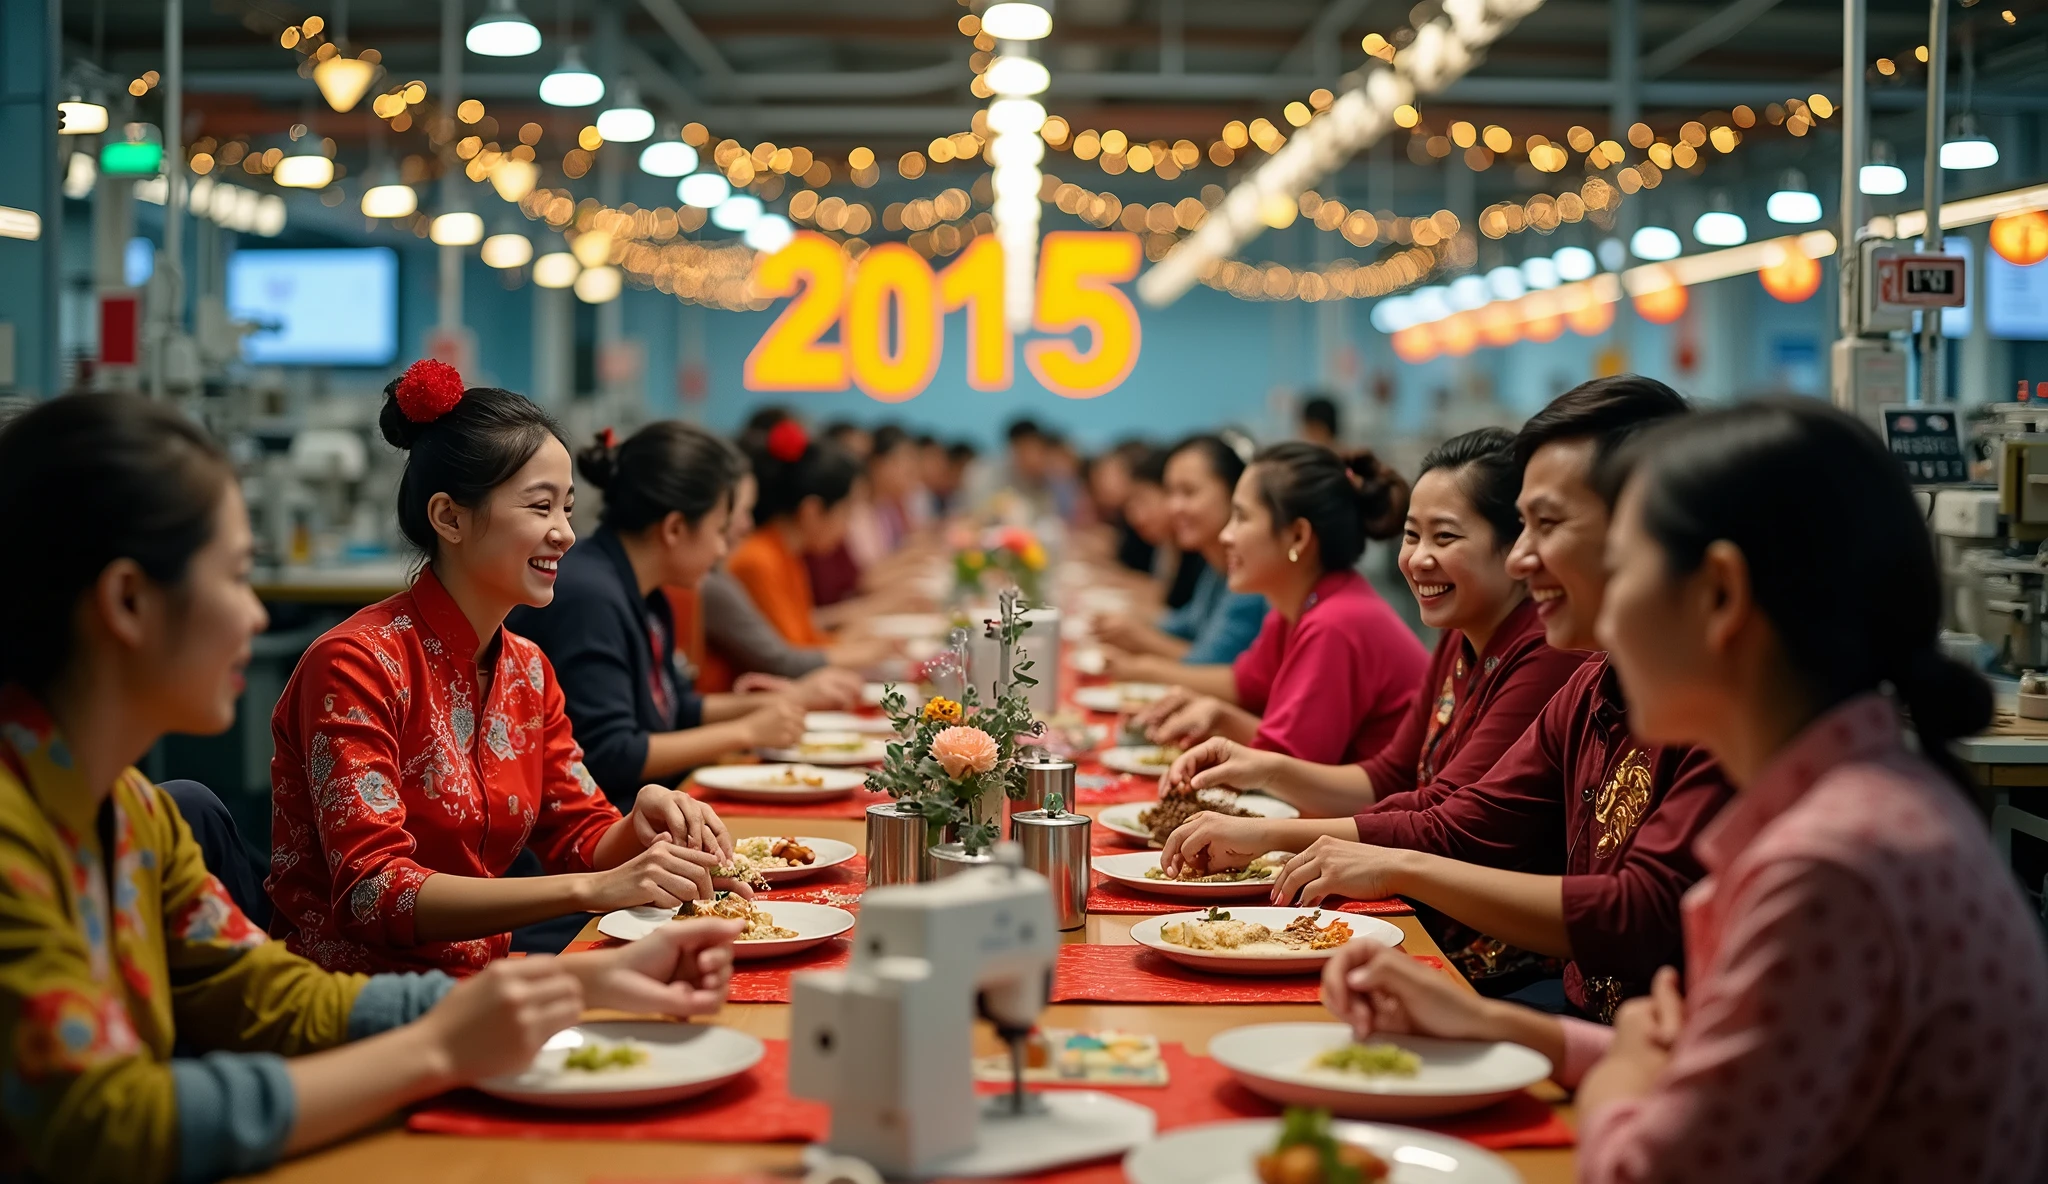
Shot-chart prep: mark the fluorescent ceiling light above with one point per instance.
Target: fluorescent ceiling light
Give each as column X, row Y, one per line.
column 390, row 201
column 668, row 158
column 1540, row 272
column 268, row 220
column 571, row 84
column 627, row 123
column 1016, row 21
column 556, row 270
column 1506, row 283
column 311, row 171
column 1719, row 228
column 502, row 32
column 81, row 118
column 1881, row 179
column 1794, row 207
column 1021, row 117
column 1015, row 74
column 343, row 81
column 81, row 173
column 457, row 230
column 769, row 233
column 1969, row 152
column 736, row 212
column 1655, row 242
column 1430, row 304
column 1468, row 292
column 1574, row 264
column 703, row 190
column 507, row 250
column 1393, row 314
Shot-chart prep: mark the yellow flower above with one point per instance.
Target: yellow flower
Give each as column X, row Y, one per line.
column 1034, row 557
column 973, row 560
column 942, row 710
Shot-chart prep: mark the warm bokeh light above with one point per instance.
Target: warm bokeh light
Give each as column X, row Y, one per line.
column 1415, row 344
column 1664, row 304
column 2021, row 239
column 1790, row 276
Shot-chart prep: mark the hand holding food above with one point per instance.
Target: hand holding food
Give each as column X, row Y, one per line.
column 1265, row 867
column 681, row 970
column 1197, row 718
column 828, row 688
column 496, row 1020
column 663, row 813
column 1220, row 763
column 1206, row 839
column 1159, row 710
column 663, row 874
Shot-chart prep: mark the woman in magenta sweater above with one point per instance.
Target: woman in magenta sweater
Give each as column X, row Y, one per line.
column 1334, row 669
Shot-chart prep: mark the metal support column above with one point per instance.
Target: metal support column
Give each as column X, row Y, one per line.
column 1932, row 363
column 609, row 26
column 451, row 183
column 29, row 38
column 1624, row 70
column 1855, row 150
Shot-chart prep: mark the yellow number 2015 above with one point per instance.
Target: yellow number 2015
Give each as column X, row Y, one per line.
column 890, row 306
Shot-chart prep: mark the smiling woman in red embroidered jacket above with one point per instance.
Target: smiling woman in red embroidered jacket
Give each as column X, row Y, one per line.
column 420, row 747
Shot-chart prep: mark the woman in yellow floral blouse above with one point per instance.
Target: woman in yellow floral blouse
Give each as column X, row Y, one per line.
column 134, row 620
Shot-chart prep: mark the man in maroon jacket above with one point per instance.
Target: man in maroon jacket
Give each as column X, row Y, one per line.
column 1578, row 843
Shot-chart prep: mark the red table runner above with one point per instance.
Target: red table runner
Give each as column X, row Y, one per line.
column 1110, row 898
column 1134, row 974
column 758, row 1109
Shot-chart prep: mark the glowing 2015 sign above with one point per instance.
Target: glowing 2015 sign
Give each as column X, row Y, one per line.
column 1077, row 276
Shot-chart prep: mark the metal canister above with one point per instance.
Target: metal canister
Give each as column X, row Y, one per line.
column 896, row 845
column 948, row 859
column 1044, row 777
column 1056, row 847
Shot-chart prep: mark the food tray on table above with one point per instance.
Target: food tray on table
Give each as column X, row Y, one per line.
column 1134, row 974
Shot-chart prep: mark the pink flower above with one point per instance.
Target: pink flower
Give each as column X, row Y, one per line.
column 964, row 752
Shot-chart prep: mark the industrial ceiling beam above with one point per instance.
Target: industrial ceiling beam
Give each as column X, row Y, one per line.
column 1718, row 27
column 690, row 39
column 1318, row 48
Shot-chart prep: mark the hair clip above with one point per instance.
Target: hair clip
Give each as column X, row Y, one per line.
column 787, row 441
column 428, row 390
column 608, row 438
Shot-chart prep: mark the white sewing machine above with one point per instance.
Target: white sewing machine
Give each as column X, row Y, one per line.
column 888, row 1042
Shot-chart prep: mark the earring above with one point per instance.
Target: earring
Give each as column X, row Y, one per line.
column 1294, row 554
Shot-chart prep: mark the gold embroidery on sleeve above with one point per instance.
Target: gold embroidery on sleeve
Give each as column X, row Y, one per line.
column 1622, row 803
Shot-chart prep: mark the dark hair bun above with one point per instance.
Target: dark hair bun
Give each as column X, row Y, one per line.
column 599, row 462
column 1946, row 699
column 399, row 432
column 1382, row 495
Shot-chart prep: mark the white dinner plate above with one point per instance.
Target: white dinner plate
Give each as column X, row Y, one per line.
column 1138, row 760
column 832, row 748
column 1119, row 696
column 682, row 1060
column 1264, row 958
column 1277, row 1061
column 847, row 721
column 903, row 626
column 1122, row 818
column 1227, row 1153
column 764, row 783
column 1088, row 660
column 815, row 925
column 1129, row 870
column 825, row 853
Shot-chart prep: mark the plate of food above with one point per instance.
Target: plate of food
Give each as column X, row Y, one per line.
column 781, row 783
column 618, row 1063
column 832, row 748
column 847, row 721
column 1121, row 696
column 1304, row 1147
column 1259, row 939
column 774, row 927
column 1141, row 870
column 1148, row 823
column 780, row 859
column 1148, row 760
column 1389, row 1076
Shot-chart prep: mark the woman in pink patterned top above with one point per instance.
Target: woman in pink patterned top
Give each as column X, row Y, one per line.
column 420, row 746
column 1868, row 996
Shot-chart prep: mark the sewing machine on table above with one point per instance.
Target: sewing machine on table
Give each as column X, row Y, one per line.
column 888, row 1042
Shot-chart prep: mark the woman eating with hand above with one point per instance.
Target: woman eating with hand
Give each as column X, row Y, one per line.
column 1214, row 626
column 1491, row 672
column 420, row 746
column 1333, row 671
column 1866, row 994
column 154, row 1033
column 609, row 633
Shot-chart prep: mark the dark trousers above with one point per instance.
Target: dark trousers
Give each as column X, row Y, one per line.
column 220, row 844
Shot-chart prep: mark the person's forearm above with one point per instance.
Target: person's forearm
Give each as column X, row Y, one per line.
column 1219, row 681
column 721, row 706
column 1237, row 724
column 1320, row 791
column 463, row 908
column 1518, row 908
column 1529, row 1028
column 1295, row 834
column 672, row 753
column 1157, row 643
column 343, row 1090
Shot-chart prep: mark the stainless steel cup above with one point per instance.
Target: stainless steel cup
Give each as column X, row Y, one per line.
column 1056, row 847
column 896, row 845
column 1043, row 778
column 948, row 859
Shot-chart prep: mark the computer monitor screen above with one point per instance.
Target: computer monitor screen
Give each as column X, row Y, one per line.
column 324, row 307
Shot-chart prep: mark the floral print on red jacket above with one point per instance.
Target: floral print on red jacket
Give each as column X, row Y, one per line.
column 385, row 772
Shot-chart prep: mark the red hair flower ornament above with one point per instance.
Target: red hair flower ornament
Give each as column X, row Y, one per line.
column 428, row 391
column 787, row 441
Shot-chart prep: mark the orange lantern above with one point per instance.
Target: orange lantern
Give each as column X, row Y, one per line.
column 1458, row 333
column 1664, row 303
column 1416, row 344
column 1499, row 325
column 1541, row 319
column 1589, row 317
column 2021, row 239
column 1789, row 275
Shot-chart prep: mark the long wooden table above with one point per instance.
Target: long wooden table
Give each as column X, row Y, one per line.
column 392, row 1154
